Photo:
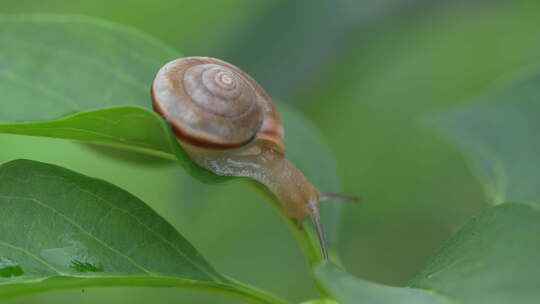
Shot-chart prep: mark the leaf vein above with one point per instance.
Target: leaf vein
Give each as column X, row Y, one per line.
column 72, row 222
column 31, row 255
column 127, row 212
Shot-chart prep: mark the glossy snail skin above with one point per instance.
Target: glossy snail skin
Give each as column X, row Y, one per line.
column 227, row 124
column 295, row 193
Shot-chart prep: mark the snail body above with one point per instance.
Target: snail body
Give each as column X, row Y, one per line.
column 227, row 124
column 266, row 165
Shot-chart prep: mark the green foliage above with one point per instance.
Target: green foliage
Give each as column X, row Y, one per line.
column 74, row 108
column 492, row 259
column 121, row 63
column 60, row 229
column 371, row 100
column 94, row 226
column 86, row 80
column 62, row 65
column 321, row 301
column 499, row 135
column 349, row 290
column 95, row 65
column 127, row 127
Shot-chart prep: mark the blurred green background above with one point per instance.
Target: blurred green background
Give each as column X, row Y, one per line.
column 367, row 73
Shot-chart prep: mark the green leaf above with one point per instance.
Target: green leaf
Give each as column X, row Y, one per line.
column 351, row 290
column 499, row 137
column 87, row 80
column 129, row 127
column 405, row 66
column 54, row 65
column 493, row 259
column 60, row 229
column 321, row 301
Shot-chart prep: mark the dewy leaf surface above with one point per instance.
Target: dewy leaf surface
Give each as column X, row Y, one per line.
column 499, row 137
column 87, row 80
column 60, row 229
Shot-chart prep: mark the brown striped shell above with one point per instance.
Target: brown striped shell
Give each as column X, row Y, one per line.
column 210, row 103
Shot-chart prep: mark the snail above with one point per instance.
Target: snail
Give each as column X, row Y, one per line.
column 227, row 124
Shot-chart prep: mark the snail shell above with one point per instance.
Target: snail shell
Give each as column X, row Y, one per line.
column 213, row 104
column 227, row 124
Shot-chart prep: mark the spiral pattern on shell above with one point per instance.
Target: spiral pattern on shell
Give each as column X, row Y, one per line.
column 213, row 104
